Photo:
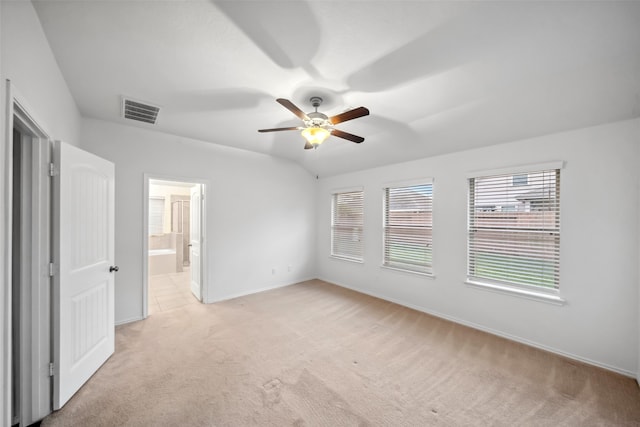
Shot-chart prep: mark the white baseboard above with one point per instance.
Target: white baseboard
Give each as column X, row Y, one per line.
column 230, row 296
column 489, row 330
column 263, row 289
column 129, row 320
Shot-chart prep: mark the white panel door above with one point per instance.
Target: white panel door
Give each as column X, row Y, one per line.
column 83, row 289
column 195, row 240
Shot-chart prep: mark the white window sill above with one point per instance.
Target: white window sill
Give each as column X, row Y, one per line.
column 402, row 270
column 523, row 293
column 341, row 258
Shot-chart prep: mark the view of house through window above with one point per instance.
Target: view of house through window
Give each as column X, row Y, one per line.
column 408, row 227
column 514, row 229
column 347, row 225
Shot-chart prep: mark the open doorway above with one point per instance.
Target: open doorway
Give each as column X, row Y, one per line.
column 30, row 254
column 173, row 244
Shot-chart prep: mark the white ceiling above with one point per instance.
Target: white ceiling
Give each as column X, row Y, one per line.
column 437, row 76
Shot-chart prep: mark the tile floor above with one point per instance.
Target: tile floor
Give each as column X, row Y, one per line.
column 169, row 291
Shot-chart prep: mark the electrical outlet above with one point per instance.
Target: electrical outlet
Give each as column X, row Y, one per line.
column 289, row 268
column 273, row 271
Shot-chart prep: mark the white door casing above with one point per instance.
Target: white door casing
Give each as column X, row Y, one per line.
column 83, row 292
column 36, row 298
column 195, row 240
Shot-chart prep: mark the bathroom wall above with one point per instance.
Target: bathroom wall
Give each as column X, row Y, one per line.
column 166, row 191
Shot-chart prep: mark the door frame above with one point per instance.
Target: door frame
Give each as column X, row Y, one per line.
column 145, row 234
column 16, row 112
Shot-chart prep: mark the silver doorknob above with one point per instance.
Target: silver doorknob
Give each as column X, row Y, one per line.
column 113, row 268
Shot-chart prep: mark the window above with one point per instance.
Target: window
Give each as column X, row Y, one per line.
column 407, row 227
column 156, row 215
column 346, row 225
column 518, row 246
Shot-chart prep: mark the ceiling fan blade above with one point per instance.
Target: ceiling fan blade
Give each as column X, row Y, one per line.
column 349, row 115
column 351, row 137
column 278, row 129
column 307, row 146
column 291, row 107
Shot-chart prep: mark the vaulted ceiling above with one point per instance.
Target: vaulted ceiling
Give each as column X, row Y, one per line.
column 437, row 76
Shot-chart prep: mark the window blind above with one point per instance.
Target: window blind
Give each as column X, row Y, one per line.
column 347, row 225
column 156, row 215
column 514, row 229
column 408, row 227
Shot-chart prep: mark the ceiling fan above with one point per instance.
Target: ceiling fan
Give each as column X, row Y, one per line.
column 318, row 126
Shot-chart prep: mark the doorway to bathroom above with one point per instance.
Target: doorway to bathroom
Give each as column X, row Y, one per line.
column 173, row 243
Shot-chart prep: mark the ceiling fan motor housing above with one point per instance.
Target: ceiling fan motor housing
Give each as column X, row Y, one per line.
column 317, row 120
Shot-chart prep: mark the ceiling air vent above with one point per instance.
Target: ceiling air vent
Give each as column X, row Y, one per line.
column 139, row 111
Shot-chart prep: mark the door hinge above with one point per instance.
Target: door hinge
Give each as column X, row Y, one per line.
column 51, row 270
column 51, row 369
column 52, row 169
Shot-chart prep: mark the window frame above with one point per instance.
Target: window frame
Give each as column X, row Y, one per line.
column 529, row 291
column 357, row 229
column 425, row 269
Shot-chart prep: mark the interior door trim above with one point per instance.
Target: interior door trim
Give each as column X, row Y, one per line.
column 145, row 234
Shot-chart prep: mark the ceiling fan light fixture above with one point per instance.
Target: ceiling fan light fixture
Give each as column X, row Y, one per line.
column 315, row 135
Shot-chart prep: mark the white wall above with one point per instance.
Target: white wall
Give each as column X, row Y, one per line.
column 261, row 211
column 26, row 59
column 599, row 245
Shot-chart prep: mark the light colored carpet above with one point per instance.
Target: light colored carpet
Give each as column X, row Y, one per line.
column 314, row 354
